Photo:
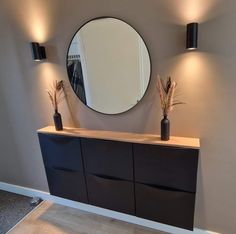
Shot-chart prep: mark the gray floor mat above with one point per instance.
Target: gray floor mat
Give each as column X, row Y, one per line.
column 13, row 208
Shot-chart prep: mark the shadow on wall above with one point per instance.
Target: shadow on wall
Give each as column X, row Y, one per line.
column 220, row 40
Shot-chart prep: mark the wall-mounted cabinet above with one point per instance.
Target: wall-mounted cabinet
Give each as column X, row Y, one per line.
column 111, row 193
column 64, row 166
column 172, row 167
column 135, row 174
column 109, row 158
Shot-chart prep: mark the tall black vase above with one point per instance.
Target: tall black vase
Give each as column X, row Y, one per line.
column 58, row 121
column 165, row 129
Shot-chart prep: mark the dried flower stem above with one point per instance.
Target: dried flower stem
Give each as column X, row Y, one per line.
column 55, row 93
column 166, row 91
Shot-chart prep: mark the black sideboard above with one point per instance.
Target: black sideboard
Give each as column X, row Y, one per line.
column 135, row 174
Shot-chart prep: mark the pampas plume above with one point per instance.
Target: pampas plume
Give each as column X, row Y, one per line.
column 166, row 89
column 55, row 93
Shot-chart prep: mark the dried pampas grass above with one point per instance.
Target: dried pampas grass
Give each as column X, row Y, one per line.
column 166, row 89
column 55, row 93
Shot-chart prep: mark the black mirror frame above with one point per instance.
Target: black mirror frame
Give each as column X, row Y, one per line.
column 105, row 17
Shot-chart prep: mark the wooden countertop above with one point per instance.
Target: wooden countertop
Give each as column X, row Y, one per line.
column 125, row 137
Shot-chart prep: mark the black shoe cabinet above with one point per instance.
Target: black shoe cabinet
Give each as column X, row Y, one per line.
column 136, row 174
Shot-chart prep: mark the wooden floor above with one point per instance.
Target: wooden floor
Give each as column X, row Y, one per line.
column 51, row 218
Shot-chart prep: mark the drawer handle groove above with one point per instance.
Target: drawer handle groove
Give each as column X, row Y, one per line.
column 166, row 188
column 62, row 140
column 108, row 177
column 63, row 169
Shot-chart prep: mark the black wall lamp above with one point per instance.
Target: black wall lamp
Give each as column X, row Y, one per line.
column 192, row 36
column 38, row 52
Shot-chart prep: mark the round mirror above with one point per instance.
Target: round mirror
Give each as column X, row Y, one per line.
column 108, row 65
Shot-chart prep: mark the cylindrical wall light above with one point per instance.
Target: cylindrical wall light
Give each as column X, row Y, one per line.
column 192, row 36
column 38, row 52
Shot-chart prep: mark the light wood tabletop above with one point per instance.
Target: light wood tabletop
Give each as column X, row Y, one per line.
column 185, row 142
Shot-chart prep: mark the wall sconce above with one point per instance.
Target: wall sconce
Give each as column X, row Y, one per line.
column 38, row 52
column 192, row 36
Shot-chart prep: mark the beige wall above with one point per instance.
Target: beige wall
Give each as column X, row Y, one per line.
column 207, row 79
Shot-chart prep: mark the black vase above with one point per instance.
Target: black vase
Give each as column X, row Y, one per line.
column 58, row 121
column 165, row 129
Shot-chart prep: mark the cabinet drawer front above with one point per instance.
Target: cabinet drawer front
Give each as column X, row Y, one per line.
column 166, row 166
column 111, row 158
column 111, row 194
column 175, row 208
column 67, row 184
column 61, row 151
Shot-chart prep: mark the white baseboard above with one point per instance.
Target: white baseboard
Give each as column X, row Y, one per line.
column 100, row 211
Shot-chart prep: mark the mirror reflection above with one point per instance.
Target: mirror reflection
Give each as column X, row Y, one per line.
column 108, row 65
